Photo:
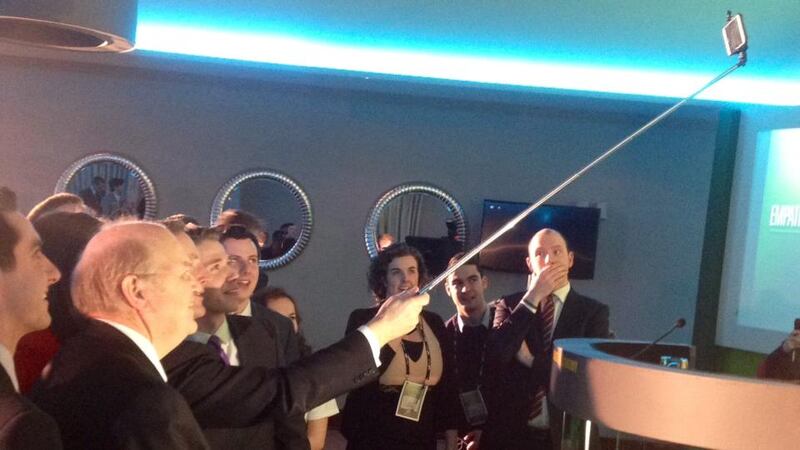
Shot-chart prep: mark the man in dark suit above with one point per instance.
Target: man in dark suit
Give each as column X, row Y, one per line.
column 469, row 329
column 242, row 249
column 25, row 274
column 239, row 341
column 784, row 362
column 93, row 196
column 106, row 387
column 526, row 324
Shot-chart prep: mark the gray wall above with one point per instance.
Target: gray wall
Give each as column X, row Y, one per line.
column 191, row 132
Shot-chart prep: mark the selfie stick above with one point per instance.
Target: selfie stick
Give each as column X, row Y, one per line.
column 513, row 222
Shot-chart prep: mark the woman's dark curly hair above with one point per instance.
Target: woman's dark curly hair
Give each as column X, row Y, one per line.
column 376, row 277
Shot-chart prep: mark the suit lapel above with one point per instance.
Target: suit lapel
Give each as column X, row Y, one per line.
column 6, row 387
column 238, row 329
column 570, row 317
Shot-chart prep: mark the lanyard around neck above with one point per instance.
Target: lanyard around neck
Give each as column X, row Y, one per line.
column 421, row 329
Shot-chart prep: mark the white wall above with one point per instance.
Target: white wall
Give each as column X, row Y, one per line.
column 191, row 132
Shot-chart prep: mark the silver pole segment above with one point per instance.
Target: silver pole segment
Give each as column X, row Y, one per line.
column 513, row 222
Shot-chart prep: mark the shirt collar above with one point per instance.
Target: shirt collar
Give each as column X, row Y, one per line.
column 224, row 333
column 484, row 320
column 7, row 361
column 247, row 311
column 143, row 343
column 561, row 293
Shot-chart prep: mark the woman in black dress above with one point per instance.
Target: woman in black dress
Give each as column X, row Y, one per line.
column 373, row 418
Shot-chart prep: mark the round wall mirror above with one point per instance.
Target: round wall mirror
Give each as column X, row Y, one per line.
column 281, row 205
column 421, row 215
column 111, row 185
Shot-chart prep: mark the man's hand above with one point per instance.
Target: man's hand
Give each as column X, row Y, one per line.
column 792, row 342
column 473, row 439
column 552, row 277
column 398, row 315
column 524, row 355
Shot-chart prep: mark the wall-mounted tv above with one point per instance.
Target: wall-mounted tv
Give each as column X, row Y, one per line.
column 507, row 254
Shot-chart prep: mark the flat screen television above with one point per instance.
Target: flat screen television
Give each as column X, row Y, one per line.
column 578, row 225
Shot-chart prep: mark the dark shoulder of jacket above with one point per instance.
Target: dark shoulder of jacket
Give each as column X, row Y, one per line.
column 240, row 324
column 359, row 317
column 509, row 301
column 588, row 302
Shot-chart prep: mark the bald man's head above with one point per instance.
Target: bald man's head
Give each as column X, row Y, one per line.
column 137, row 274
column 548, row 246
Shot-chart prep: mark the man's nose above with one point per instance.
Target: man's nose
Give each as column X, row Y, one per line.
column 53, row 274
column 201, row 274
column 547, row 258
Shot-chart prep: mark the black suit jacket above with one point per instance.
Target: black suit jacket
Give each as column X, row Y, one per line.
column 257, row 345
column 23, row 425
column 222, row 396
column 286, row 337
column 105, row 394
column 778, row 365
column 514, row 392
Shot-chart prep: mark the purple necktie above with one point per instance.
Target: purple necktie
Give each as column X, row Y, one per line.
column 216, row 343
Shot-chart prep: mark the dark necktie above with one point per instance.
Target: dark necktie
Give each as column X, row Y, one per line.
column 547, row 314
column 216, row 343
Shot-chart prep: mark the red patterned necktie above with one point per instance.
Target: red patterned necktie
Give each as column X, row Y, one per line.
column 216, row 343
column 547, row 314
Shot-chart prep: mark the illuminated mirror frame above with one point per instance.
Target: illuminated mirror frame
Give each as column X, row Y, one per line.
column 300, row 196
column 145, row 184
column 373, row 219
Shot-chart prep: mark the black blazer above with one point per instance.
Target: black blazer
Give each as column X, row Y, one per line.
column 359, row 421
column 222, row 396
column 284, row 333
column 105, row 394
column 515, row 388
column 256, row 345
column 23, row 425
column 581, row 317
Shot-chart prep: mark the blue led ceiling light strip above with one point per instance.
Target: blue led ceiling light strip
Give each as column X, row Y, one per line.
column 300, row 52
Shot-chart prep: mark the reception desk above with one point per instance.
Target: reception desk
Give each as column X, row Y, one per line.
column 593, row 379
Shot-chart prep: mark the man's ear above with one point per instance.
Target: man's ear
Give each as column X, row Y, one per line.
column 571, row 259
column 133, row 292
column 528, row 262
column 484, row 282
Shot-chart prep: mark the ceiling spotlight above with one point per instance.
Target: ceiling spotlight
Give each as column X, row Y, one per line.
column 81, row 25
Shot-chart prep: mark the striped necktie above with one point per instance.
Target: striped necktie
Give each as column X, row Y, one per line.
column 547, row 314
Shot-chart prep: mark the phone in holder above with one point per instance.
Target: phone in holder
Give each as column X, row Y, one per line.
column 734, row 35
column 797, row 324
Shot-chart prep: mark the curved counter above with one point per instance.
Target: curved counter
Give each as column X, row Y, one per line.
column 687, row 407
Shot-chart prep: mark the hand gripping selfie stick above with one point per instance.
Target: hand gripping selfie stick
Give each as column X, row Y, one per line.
column 735, row 43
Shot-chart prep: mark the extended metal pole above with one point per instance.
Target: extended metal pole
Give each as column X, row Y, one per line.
column 513, row 222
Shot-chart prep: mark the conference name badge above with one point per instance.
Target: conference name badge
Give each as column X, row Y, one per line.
column 474, row 407
column 409, row 406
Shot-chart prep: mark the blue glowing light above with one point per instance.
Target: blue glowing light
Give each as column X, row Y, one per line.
column 292, row 50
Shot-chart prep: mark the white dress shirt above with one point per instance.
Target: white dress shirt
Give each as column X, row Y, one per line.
column 7, row 361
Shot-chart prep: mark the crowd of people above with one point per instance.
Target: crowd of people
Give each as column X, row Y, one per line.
column 167, row 334
column 133, row 334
